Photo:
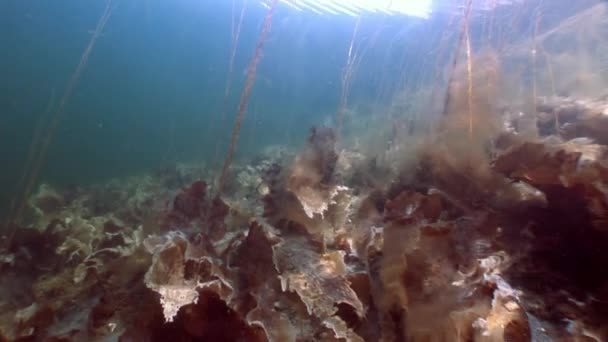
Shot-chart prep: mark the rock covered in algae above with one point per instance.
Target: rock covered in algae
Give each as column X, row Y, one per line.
column 573, row 118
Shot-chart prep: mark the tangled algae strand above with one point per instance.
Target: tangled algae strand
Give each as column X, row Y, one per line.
column 347, row 73
column 235, row 33
column 463, row 39
column 251, row 72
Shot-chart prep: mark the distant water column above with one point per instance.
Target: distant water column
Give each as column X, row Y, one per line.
column 58, row 115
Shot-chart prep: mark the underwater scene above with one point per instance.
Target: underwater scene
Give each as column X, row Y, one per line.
column 304, row 170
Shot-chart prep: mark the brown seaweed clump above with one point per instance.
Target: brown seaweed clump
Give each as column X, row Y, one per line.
column 311, row 174
column 306, row 194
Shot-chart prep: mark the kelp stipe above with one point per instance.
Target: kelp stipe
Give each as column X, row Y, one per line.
column 251, row 72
